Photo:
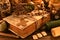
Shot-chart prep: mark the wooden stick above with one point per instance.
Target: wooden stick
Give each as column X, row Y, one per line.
column 8, row 35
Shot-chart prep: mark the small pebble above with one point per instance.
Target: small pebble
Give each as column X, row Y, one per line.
column 44, row 33
column 39, row 35
column 35, row 37
column 56, row 17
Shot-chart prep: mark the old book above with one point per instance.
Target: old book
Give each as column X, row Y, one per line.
column 39, row 21
column 22, row 28
column 23, row 25
column 46, row 18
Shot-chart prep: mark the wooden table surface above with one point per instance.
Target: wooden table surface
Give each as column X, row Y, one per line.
column 48, row 37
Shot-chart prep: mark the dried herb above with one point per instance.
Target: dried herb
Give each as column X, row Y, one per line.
column 23, row 8
column 4, row 8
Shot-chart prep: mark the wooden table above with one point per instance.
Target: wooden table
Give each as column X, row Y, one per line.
column 48, row 37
